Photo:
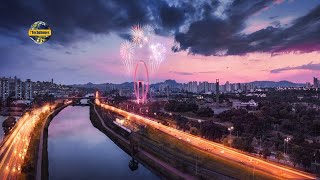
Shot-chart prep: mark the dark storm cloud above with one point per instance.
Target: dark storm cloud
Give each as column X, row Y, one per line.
column 212, row 35
column 195, row 25
column 310, row 66
column 74, row 20
column 67, row 18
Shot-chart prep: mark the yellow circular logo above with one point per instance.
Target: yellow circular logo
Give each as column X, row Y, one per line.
column 39, row 32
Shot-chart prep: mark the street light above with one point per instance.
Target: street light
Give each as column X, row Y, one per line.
column 230, row 129
column 286, row 141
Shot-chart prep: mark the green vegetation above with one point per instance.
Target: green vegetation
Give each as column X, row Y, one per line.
column 281, row 114
column 180, row 106
column 205, row 112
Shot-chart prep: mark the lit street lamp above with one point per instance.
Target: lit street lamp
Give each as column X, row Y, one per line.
column 230, row 129
column 286, row 141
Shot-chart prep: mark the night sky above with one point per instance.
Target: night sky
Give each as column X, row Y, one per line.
column 233, row 40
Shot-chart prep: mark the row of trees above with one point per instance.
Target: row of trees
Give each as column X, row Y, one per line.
column 181, row 106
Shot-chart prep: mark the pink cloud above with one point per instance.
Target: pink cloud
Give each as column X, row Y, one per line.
column 251, row 67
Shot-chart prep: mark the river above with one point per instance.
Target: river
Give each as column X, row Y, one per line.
column 77, row 150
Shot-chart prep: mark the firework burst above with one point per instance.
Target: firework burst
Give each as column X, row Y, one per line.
column 127, row 54
column 141, row 35
column 148, row 32
column 158, row 52
column 137, row 34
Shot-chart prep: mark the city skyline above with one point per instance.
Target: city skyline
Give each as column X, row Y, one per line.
column 160, row 89
column 78, row 54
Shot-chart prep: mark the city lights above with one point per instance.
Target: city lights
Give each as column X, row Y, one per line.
column 16, row 146
column 218, row 149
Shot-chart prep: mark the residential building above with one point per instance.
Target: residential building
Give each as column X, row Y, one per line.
column 28, row 90
column 18, row 89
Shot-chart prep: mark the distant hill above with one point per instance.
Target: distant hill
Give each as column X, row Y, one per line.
column 173, row 83
column 271, row 84
column 104, row 86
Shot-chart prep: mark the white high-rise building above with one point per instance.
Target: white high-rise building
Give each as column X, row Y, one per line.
column 228, row 86
column 190, row 87
column 18, row 89
column 195, row 87
column 5, row 88
column 206, row 86
column 28, row 91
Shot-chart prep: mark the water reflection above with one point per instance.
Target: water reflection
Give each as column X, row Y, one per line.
column 77, row 150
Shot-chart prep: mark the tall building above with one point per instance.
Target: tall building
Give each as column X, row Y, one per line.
column 195, row 87
column 5, row 88
column 308, row 85
column 0, row 90
column 189, row 87
column 315, row 82
column 217, row 91
column 228, row 86
column 28, row 90
column 18, row 88
column 206, row 86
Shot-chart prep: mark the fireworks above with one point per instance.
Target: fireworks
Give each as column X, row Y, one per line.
column 137, row 34
column 158, row 52
column 148, row 32
column 142, row 36
column 127, row 53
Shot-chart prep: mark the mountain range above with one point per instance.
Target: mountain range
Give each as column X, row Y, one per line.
column 173, row 83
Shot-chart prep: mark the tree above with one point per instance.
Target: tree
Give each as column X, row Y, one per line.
column 8, row 124
column 266, row 153
column 279, row 156
column 205, row 112
column 177, row 106
column 242, row 144
column 295, row 154
column 212, row 131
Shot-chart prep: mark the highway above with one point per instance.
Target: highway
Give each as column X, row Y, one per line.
column 14, row 149
column 218, row 149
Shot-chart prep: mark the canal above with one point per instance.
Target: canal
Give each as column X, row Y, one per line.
column 77, row 150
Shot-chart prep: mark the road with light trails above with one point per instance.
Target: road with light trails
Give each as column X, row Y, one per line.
column 14, row 149
column 218, row 149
